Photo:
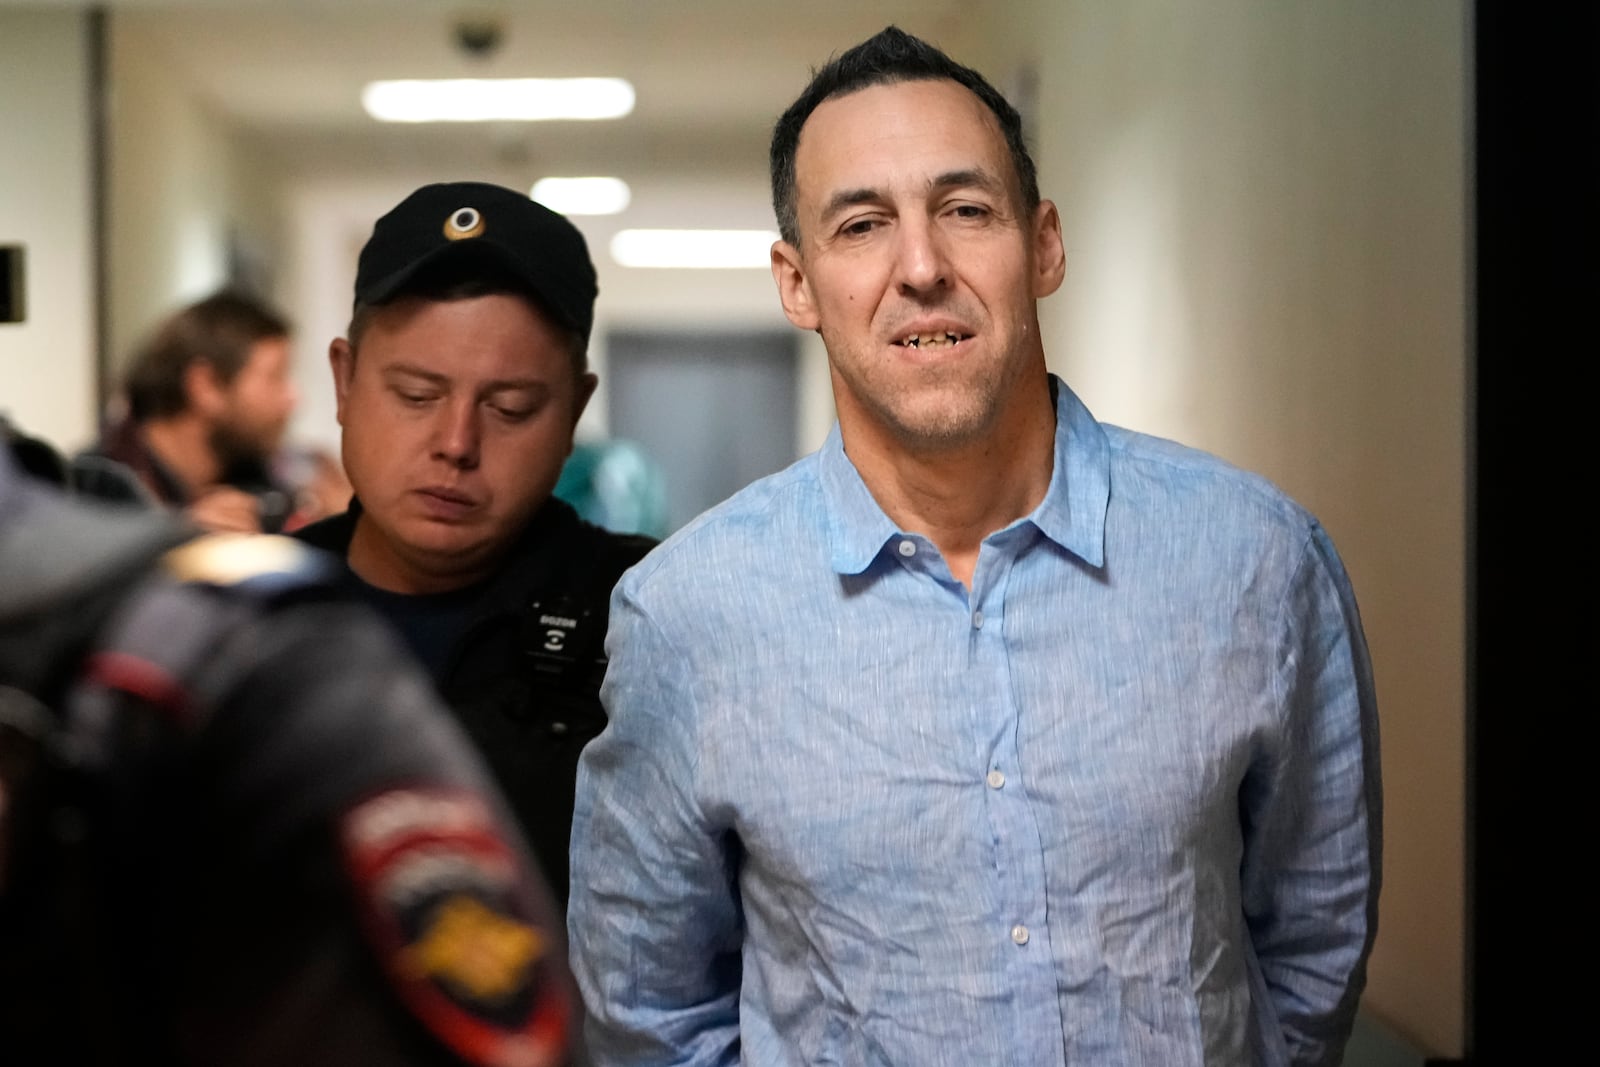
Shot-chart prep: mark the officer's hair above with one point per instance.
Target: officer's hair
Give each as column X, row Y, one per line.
column 463, row 279
column 891, row 56
column 220, row 330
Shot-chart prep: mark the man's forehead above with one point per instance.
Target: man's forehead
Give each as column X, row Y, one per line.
column 397, row 354
column 879, row 131
column 412, row 318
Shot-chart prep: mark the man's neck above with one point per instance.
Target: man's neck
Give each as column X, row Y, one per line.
column 960, row 494
column 183, row 445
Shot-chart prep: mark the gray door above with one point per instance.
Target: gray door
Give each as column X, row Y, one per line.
column 715, row 410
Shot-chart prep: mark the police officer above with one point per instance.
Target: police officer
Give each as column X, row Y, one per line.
column 235, row 827
column 459, row 386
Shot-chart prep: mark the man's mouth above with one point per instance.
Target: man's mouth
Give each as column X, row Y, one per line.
column 937, row 339
column 446, row 500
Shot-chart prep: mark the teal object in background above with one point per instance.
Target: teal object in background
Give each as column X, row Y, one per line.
column 617, row 485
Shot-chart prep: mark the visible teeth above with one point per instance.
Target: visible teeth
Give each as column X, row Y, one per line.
column 924, row 340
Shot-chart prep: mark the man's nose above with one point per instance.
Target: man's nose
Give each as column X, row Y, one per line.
column 923, row 265
column 457, row 434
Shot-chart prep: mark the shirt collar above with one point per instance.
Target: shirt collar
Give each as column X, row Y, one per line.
column 1072, row 513
column 856, row 526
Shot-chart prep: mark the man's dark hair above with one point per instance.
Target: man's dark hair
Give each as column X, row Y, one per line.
column 891, row 56
column 220, row 330
column 464, row 278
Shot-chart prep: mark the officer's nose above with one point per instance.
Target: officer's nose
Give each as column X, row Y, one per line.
column 457, row 434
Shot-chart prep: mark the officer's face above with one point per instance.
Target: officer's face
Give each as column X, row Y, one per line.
column 457, row 417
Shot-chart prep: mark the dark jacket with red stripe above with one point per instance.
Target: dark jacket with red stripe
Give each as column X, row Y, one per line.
column 238, row 828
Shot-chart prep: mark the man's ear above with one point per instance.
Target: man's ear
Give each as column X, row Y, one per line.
column 585, row 393
column 342, row 360
column 203, row 390
column 1049, row 254
column 793, row 290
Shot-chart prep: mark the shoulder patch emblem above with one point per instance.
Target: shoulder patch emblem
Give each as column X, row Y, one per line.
column 442, row 899
column 474, row 948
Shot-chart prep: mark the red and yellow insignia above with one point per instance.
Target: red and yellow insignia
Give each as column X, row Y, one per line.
column 444, row 901
column 475, row 949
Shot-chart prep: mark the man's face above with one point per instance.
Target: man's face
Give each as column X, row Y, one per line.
column 457, row 417
column 255, row 406
column 917, row 262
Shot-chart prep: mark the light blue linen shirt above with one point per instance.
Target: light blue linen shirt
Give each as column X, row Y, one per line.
column 1117, row 805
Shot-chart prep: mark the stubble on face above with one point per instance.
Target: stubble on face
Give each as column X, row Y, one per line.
column 260, row 401
column 932, row 409
column 912, row 226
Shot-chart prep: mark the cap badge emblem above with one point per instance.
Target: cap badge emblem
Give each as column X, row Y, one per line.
column 463, row 222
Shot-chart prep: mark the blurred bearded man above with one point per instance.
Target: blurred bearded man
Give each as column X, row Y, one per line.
column 209, row 396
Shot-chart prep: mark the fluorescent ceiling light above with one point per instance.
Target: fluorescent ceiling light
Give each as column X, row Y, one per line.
column 497, row 99
column 693, row 249
column 582, row 196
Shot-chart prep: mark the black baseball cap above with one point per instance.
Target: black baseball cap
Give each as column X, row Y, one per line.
column 442, row 222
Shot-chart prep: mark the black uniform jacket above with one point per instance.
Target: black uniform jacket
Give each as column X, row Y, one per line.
column 524, row 673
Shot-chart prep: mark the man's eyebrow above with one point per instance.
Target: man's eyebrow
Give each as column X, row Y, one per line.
column 973, row 178
column 847, row 198
column 969, row 178
column 411, row 371
column 496, row 385
column 514, row 385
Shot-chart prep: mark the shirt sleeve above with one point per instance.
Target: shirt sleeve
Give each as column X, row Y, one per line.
column 1312, row 817
column 654, row 920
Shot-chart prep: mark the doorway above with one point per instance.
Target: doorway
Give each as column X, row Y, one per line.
column 715, row 410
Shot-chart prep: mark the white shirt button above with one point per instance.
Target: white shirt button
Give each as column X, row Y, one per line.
column 1019, row 934
column 908, row 548
column 996, row 779
column 977, row 620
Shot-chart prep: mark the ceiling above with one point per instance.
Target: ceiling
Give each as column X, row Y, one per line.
column 282, row 79
column 710, row 75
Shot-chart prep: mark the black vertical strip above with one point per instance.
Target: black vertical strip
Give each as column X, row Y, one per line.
column 1531, row 639
column 1472, row 152
column 95, row 28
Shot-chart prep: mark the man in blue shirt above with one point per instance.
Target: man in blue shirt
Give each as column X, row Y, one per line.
column 988, row 734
